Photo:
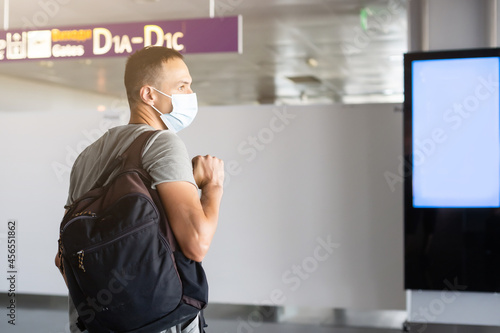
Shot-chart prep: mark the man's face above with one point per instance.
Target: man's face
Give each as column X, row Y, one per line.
column 176, row 80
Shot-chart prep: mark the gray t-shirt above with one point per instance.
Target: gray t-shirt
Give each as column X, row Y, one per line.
column 165, row 158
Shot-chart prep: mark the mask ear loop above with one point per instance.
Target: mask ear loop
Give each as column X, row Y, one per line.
column 154, row 107
column 161, row 92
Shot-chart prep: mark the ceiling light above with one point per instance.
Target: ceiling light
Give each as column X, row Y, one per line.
column 140, row 2
column 305, row 79
column 312, row 62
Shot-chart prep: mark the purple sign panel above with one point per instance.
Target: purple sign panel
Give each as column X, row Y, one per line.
column 115, row 40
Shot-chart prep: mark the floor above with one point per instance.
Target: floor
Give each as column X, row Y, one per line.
column 55, row 321
column 44, row 314
column 49, row 315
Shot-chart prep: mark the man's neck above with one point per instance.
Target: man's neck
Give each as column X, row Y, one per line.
column 140, row 115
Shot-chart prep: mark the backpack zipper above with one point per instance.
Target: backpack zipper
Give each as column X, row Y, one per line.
column 80, row 260
column 81, row 254
column 86, row 213
column 73, row 219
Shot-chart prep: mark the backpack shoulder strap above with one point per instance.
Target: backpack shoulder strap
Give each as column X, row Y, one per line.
column 130, row 159
column 132, row 156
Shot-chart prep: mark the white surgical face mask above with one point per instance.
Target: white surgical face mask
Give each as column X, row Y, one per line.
column 185, row 108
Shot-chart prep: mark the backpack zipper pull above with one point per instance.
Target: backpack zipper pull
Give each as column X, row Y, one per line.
column 85, row 213
column 59, row 253
column 81, row 254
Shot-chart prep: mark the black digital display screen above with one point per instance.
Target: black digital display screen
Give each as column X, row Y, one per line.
column 452, row 188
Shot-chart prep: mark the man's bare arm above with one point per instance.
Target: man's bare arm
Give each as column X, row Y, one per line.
column 194, row 219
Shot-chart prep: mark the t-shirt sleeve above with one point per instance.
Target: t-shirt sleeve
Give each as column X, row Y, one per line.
column 72, row 181
column 70, row 198
column 166, row 159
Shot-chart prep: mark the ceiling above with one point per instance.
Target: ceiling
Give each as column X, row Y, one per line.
column 294, row 51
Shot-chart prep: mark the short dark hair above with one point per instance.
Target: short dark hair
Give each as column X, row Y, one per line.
column 143, row 67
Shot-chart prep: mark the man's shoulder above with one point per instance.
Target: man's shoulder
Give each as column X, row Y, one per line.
column 166, row 137
column 130, row 131
column 111, row 143
column 119, row 137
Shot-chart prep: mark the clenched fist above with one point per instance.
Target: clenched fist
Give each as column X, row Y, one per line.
column 208, row 170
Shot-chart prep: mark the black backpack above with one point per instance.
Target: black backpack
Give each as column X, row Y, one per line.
column 124, row 269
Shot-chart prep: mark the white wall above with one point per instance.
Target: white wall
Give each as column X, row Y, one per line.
column 319, row 176
column 314, row 177
column 42, row 129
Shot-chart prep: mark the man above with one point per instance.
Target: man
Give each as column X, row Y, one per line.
column 159, row 92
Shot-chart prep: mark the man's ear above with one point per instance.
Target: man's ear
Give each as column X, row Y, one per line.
column 147, row 95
